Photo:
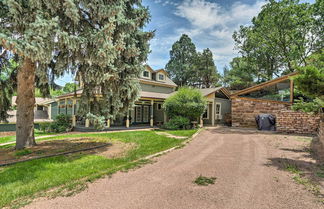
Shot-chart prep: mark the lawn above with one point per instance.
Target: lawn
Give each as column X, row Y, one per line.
column 26, row 180
column 6, row 139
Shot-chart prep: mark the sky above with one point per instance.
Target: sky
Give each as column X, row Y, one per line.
column 209, row 23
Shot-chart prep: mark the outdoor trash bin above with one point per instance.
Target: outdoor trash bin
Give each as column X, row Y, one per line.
column 266, row 122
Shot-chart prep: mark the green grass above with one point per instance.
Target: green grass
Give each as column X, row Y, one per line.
column 187, row 133
column 204, row 181
column 22, row 152
column 298, row 178
column 6, row 139
column 24, row 180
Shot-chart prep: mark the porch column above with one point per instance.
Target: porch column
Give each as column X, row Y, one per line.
column 164, row 117
column 108, row 123
column 213, row 113
column 152, row 107
column 127, row 119
column 49, row 111
column 73, row 113
column 201, row 122
column 87, row 123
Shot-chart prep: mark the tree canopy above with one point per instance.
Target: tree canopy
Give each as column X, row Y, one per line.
column 103, row 40
column 182, row 60
column 279, row 40
column 187, row 67
column 207, row 74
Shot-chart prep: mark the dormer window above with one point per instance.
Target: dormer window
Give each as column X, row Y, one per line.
column 161, row 77
column 146, row 74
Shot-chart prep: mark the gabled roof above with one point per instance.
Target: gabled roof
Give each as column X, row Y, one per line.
column 167, row 82
column 208, row 91
column 264, row 84
column 162, row 70
column 149, row 68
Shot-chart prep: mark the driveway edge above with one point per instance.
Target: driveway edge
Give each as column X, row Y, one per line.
column 176, row 147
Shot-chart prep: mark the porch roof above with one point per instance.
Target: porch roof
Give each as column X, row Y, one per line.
column 143, row 94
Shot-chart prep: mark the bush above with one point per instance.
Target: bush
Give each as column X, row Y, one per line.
column 62, row 123
column 97, row 121
column 312, row 107
column 45, row 127
column 186, row 102
column 178, row 122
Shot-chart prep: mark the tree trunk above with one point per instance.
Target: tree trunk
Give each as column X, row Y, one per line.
column 25, row 105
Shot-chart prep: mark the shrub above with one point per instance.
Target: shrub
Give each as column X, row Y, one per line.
column 178, row 122
column 186, row 102
column 62, row 123
column 97, row 121
column 312, row 107
column 45, row 127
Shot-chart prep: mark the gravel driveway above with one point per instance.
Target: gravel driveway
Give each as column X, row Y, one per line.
column 242, row 162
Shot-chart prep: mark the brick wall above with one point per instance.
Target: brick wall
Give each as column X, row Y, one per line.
column 244, row 111
column 289, row 121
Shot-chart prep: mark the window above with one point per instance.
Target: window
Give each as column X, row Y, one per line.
column 161, row 77
column 276, row 92
column 218, row 111
column 146, row 74
column 159, row 106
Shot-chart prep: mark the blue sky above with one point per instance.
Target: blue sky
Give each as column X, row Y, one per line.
column 210, row 24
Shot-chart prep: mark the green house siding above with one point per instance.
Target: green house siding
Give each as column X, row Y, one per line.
column 54, row 110
column 157, row 89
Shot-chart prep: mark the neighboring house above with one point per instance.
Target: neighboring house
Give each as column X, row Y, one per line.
column 156, row 86
column 40, row 109
column 269, row 97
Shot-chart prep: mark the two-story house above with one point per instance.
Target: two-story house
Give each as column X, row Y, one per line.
column 156, row 86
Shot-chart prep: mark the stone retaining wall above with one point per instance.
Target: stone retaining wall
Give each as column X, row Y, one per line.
column 289, row 121
column 244, row 111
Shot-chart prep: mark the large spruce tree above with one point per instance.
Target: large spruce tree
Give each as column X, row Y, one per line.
column 103, row 40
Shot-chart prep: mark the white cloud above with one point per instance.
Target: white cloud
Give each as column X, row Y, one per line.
column 212, row 25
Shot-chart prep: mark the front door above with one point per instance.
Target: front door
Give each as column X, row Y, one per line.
column 138, row 112
column 146, row 110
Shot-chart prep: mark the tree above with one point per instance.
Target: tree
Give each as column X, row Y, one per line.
column 69, row 87
column 207, row 75
column 182, row 60
column 238, row 76
column 186, row 102
column 281, row 36
column 310, row 81
column 8, row 74
column 103, row 40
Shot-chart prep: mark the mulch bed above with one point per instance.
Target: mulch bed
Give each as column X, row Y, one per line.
column 52, row 148
column 10, row 133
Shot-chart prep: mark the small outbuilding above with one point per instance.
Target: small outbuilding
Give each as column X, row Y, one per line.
column 219, row 106
column 269, row 97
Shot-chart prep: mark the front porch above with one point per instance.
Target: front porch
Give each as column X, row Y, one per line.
column 147, row 112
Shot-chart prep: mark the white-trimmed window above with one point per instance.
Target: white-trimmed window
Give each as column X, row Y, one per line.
column 146, row 74
column 161, row 77
column 159, row 106
column 218, row 114
column 206, row 113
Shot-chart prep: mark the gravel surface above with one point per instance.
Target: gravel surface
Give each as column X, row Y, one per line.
column 244, row 164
